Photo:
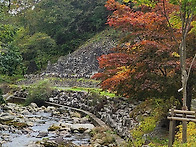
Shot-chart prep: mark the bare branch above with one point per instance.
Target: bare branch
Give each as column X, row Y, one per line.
column 170, row 26
column 162, row 71
column 188, row 24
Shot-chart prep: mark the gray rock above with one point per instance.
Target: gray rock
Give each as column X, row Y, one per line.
column 42, row 134
column 43, row 107
column 6, row 107
column 34, row 145
column 49, row 143
column 4, row 127
column 96, row 145
column 6, row 117
column 30, row 124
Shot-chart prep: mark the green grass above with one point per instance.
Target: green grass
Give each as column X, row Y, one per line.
column 11, row 81
column 103, row 36
column 82, row 89
column 88, row 80
column 96, row 90
column 74, row 79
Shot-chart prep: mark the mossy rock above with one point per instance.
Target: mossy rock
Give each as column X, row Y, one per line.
column 53, row 128
column 82, row 130
column 20, row 125
column 49, row 143
column 6, row 122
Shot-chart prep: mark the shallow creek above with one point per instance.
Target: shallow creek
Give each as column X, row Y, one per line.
column 38, row 123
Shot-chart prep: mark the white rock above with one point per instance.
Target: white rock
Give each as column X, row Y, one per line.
column 33, row 105
column 30, row 124
column 25, row 112
column 50, row 108
column 82, row 126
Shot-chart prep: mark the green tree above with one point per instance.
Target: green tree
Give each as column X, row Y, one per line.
column 10, row 60
column 68, row 22
column 36, row 50
column 186, row 15
column 7, row 33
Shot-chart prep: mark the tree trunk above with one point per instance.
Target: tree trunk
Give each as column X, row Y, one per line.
column 183, row 70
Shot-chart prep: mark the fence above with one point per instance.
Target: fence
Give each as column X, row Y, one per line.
column 179, row 115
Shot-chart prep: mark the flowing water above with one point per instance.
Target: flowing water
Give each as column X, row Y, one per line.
column 23, row 137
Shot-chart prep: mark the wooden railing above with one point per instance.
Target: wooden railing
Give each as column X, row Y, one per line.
column 179, row 115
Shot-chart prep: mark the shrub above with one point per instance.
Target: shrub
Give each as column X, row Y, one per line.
column 157, row 109
column 39, row 93
column 104, row 135
column 191, row 136
column 97, row 100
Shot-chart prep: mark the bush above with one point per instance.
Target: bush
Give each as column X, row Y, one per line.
column 104, row 135
column 191, row 136
column 96, row 100
column 158, row 109
column 39, row 93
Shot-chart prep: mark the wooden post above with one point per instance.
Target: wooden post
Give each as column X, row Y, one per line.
column 171, row 129
column 195, row 114
column 184, row 127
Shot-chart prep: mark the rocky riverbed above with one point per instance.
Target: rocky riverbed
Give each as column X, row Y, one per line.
column 35, row 126
column 115, row 112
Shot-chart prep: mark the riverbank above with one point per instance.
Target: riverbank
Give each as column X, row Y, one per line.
column 43, row 126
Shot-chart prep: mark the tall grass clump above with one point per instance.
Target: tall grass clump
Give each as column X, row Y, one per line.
column 39, row 93
column 2, row 101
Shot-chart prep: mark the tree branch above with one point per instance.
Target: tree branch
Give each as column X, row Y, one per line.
column 170, row 26
column 162, row 71
column 188, row 24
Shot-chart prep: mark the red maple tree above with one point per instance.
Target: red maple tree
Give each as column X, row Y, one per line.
column 146, row 63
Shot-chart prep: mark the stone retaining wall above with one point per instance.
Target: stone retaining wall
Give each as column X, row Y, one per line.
column 83, row 62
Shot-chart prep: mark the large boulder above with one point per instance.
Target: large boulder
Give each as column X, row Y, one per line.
column 81, row 127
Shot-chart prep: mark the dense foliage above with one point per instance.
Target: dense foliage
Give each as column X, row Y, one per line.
column 10, row 60
column 10, row 57
column 36, row 50
column 48, row 29
column 68, row 23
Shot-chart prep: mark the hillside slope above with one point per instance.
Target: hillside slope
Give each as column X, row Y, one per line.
column 83, row 62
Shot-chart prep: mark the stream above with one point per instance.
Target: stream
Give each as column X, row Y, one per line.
column 51, row 125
